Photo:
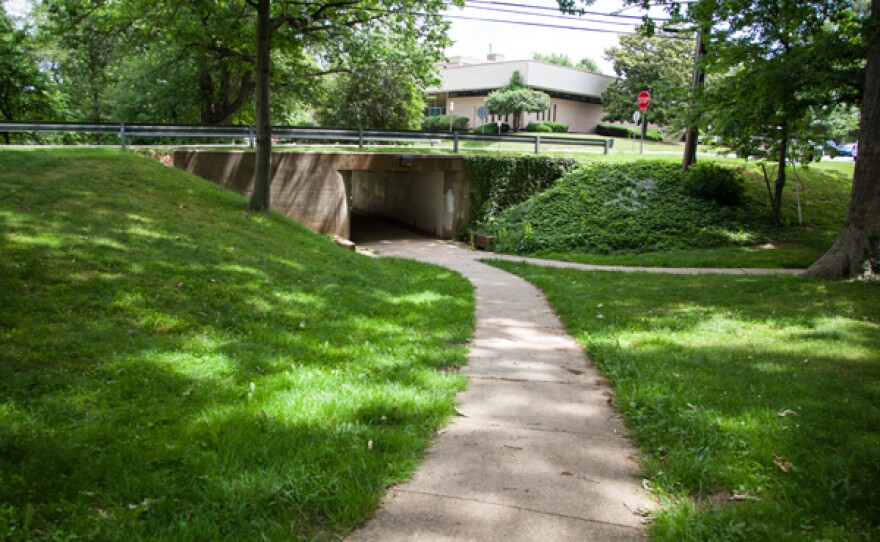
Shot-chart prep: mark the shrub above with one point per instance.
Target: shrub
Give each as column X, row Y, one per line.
column 441, row 123
column 715, row 183
column 557, row 127
column 492, row 129
column 539, row 127
column 547, row 126
column 615, row 130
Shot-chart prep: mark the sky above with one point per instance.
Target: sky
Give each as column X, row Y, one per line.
column 516, row 42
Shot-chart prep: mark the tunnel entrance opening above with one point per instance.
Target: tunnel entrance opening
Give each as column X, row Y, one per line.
column 368, row 228
column 395, row 204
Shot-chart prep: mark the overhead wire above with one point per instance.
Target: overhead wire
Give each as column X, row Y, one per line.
column 556, row 10
column 493, row 6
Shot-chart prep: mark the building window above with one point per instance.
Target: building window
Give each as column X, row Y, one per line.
column 554, row 112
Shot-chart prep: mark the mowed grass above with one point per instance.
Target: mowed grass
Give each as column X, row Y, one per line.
column 755, row 400
column 172, row 369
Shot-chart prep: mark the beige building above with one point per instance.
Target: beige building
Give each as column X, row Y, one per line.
column 575, row 95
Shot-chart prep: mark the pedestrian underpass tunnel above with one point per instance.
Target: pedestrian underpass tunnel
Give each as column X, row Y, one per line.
column 421, row 200
column 429, row 193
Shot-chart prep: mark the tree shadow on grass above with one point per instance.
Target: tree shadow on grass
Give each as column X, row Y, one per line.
column 172, row 369
column 762, row 387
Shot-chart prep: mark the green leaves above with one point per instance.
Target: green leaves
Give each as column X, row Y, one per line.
column 607, row 208
column 514, row 98
column 660, row 65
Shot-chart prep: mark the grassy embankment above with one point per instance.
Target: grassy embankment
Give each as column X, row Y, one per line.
column 174, row 369
column 627, row 211
column 755, row 400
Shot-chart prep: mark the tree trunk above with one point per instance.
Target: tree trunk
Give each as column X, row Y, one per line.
column 776, row 205
column 856, row 253
column 691, row 139
column 260, row 196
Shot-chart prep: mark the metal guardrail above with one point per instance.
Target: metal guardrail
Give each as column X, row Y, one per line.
column 125, row 132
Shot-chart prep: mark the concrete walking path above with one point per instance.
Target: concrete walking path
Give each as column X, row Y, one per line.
column 539, row 454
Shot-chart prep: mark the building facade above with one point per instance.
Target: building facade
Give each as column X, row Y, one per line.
column 575, row 95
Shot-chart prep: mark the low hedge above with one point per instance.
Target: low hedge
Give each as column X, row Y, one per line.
column 441, row 123
column 547, row 127
column 617, row 130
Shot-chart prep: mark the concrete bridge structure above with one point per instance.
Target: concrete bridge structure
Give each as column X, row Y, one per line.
column 321, row 190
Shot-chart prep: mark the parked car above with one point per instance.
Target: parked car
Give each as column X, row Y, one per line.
column 848, row 149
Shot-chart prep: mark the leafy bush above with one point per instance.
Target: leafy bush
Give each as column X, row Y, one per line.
column 557, row 127
column 715, row 183
column 547, row 126
column 504, row 181
column 606, row 208
column 539, row 127
column 492, row 128
column 615, row 130
column 441, row 123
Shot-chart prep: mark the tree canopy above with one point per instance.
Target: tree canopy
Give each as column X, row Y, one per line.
column 562, row 59
column 515, row 98
column 661, row 65
column 25, row 90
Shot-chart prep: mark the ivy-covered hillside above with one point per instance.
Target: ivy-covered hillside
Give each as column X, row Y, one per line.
column 648, row 205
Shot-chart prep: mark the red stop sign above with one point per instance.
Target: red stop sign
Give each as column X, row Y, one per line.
column 644, row 100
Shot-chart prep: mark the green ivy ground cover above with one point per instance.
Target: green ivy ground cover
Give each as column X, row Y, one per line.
column 611, row 207
column 172, row 369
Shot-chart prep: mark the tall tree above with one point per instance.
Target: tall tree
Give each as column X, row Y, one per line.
column 775, row 70
column 295, row 24
column 829, row 46
column 857, row 249
column 385, row 87
column 661, row 65
column 515, row 98
column 25, row 91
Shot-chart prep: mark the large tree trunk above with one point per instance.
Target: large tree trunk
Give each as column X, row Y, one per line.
column 776, row 204
column 856, row 253
column 260, row 196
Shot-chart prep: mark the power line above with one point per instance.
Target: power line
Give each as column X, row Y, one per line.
column 557, row 26
column 579, row 19
column 548, row 8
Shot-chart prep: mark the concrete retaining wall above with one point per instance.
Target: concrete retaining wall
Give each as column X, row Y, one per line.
column 319, row 190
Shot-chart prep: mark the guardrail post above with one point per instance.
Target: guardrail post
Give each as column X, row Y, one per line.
column 455, row 142
column 122, row 135
column 360, row 138
column 250, row 135
column 537, row 144
column 608, row 144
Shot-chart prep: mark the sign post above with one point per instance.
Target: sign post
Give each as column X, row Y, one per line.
column 644, row 100
column 451, row 108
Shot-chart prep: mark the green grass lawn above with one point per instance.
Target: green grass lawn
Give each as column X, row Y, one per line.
column 755, row 400
column 173, row 369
